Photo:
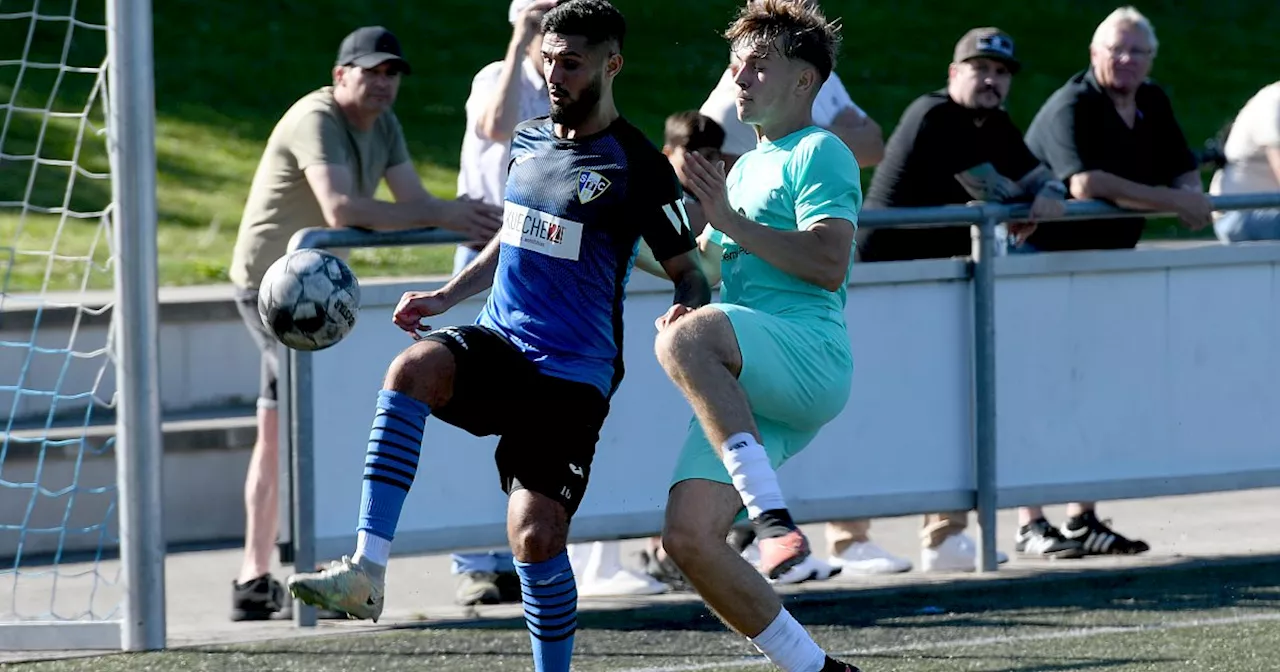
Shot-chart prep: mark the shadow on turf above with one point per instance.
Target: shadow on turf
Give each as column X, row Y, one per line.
column 1188, row 585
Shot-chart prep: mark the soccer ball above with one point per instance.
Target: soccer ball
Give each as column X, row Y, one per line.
column 309, row 299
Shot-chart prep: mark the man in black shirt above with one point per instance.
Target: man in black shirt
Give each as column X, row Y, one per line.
column 1110, row 134
column 958, row 145
column 953, row 146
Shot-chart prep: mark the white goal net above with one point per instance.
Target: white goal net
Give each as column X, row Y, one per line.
column 61, row 578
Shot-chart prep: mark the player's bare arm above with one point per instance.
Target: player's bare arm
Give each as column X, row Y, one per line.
column 819, row 255
column 709, row 257
column 692, row 289
column 335, row 191
column 475, row 278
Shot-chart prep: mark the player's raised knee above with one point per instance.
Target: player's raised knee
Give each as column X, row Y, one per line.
column 425, row 371
column 702, row 335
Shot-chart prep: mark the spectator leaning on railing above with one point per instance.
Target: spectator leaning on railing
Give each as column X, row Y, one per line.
column 322, row 164
column 1111, row 134
column 1253, row 165
column 952, row 146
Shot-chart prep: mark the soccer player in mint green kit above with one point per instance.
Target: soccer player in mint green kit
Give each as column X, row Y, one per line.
column 768, row 367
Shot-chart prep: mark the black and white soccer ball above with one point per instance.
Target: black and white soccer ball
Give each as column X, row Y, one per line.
column 309, row 299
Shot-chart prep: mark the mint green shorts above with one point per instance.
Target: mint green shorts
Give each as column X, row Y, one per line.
column 797, row 377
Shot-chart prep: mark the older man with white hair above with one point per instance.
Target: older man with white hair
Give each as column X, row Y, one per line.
column 1110, row 134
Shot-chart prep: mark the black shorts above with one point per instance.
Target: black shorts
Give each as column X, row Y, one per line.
column 247, row 304
column 549, row 426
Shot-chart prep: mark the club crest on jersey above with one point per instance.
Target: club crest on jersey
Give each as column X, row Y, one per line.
column 590, row 185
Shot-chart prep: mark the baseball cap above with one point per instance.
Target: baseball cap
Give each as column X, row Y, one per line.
column 371, row 46
column 990, row 43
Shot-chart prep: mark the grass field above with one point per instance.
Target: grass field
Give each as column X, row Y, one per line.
column 226, row 70
column 1191, row 618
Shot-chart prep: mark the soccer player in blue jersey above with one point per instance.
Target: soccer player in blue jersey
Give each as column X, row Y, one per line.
column 584, row 187
column 770, row 364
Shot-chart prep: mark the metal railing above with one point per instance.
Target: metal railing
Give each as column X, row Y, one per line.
column 985, row 218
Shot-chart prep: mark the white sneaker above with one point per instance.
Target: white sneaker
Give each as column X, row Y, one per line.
column 809, row 569
column 868, row 558
column 598, row 569
column 957, row 553
column 342, row 586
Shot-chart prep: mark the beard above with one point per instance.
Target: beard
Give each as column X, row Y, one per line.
column 575, row 111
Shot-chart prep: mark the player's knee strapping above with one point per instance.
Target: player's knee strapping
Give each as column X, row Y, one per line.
column 391, row 462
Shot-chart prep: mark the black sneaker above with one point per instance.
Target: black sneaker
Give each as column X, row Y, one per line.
column 508, row 584
column 664, row 570
column 833, row 665
column 1039, row 538
column 1099, row 539
column 258, row 600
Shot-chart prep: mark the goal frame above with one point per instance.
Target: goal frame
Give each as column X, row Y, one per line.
column 131, row 147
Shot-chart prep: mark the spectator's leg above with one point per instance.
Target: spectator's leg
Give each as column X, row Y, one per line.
column 1240, row 226
column 946, row 548
column 1036, row 538
column 851, row 549
column 261, row 503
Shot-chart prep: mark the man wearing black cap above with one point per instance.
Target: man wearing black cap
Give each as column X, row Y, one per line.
column 956, row 145
column 321, row 165
column 950, row 147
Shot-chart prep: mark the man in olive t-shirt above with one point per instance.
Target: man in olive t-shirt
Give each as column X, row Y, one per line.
column 321, row 166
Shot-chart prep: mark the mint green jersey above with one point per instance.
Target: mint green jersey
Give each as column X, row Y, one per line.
column 791, row 184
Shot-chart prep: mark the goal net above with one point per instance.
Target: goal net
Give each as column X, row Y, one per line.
column 61, row 581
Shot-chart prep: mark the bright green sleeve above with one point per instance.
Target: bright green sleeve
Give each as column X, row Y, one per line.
column 822, row 176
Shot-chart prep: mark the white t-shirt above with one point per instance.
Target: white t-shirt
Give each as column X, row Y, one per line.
column 739, row 138
column 482, row 168
column 1256, row 128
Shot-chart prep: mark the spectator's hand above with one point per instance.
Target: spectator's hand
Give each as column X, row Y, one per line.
column 1193, row 207
column 673, row 313
column 529, row 25
column 474, row 219
column 1020, row 231
column 985, row 184
column 707, row 183
column 1050, row 203
column 417, row 306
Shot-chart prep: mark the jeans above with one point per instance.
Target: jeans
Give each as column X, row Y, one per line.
column 1240, row 226
column 493, row 562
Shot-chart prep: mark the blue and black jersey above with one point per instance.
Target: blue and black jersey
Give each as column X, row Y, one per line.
column 574, row 215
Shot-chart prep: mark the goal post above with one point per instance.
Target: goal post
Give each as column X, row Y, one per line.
column 80, row 433
column 140, row 446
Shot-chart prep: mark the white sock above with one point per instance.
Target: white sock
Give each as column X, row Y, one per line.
column 373, row 548
column 788, row 645
column 753, row 476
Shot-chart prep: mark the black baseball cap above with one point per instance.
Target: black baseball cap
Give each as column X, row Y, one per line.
column 371, row 46
column 991, row 43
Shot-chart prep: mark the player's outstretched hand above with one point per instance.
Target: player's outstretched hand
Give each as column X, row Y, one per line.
column 417, row 306
column 707, row 182
column 673, row 313
column 474, row 219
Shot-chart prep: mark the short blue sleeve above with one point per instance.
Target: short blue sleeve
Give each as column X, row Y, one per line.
column 823, row 178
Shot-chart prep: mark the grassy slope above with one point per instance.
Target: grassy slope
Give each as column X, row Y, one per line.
column 225, row 70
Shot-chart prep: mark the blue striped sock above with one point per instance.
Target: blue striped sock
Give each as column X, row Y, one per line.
column 550, row 610
column 391, row 461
